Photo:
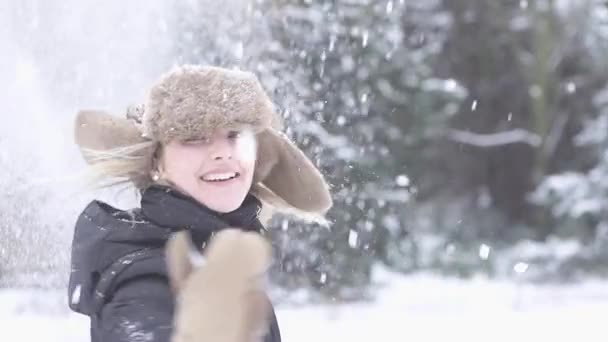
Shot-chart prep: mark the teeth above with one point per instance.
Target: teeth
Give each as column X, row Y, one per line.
column 220, row 176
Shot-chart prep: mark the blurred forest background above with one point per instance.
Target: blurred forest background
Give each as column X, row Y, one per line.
column 461, row 137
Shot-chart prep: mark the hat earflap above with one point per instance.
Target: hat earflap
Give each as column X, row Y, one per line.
column 287, row 179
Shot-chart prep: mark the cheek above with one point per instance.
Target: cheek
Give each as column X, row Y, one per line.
column 248, row 167
column 246, row 148
column 179, row 163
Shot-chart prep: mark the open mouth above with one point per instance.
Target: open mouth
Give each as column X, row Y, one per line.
column 220, row 177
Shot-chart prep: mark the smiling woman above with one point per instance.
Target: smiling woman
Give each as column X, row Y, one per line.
column 217, row 171
column 206, row 153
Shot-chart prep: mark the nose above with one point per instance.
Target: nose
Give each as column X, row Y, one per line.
column 221, row 149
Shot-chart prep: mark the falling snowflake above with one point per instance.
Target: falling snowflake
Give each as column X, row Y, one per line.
column 484, row 251
column 521, row 267
column 76, row 294
column 323, row 278
column 389, row 7
column 523, row 4
column 353, row 238
column 402, row 180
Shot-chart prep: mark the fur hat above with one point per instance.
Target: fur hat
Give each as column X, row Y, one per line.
column 192, row 101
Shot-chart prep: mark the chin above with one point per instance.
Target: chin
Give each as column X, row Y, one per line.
column 222, row 200
column 224, row 206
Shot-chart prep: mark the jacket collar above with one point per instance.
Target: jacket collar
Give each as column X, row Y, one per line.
column 173, row 209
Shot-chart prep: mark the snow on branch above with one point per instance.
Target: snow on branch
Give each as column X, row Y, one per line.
column 340, row 144
column 495, row 139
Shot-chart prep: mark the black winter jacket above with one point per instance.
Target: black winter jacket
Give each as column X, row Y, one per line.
column 118, row 276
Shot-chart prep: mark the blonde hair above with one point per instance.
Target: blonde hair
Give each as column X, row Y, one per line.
column 126, row 164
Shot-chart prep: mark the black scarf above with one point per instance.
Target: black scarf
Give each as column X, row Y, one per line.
column 172, row 209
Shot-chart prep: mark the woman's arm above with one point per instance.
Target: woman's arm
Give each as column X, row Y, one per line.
column 139, row 310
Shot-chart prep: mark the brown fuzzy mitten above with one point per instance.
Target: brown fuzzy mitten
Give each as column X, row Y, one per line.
column 223, row 298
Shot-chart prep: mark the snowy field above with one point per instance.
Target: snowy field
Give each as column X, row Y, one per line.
column 416, row 308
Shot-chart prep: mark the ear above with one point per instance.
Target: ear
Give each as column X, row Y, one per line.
column 179, row 265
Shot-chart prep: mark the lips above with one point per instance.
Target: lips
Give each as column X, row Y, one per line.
column 218, row 177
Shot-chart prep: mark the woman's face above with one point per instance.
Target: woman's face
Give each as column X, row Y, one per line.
column 217, row 171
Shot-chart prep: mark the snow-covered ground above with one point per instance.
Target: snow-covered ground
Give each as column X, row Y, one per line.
column 414, row 308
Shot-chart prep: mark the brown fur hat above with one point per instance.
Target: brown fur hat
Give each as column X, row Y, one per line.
column 192, row 101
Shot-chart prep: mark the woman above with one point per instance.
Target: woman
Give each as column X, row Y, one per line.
column 206, row 153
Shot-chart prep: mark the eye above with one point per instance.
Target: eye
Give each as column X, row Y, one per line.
column 196, row 141
column 234, row 134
